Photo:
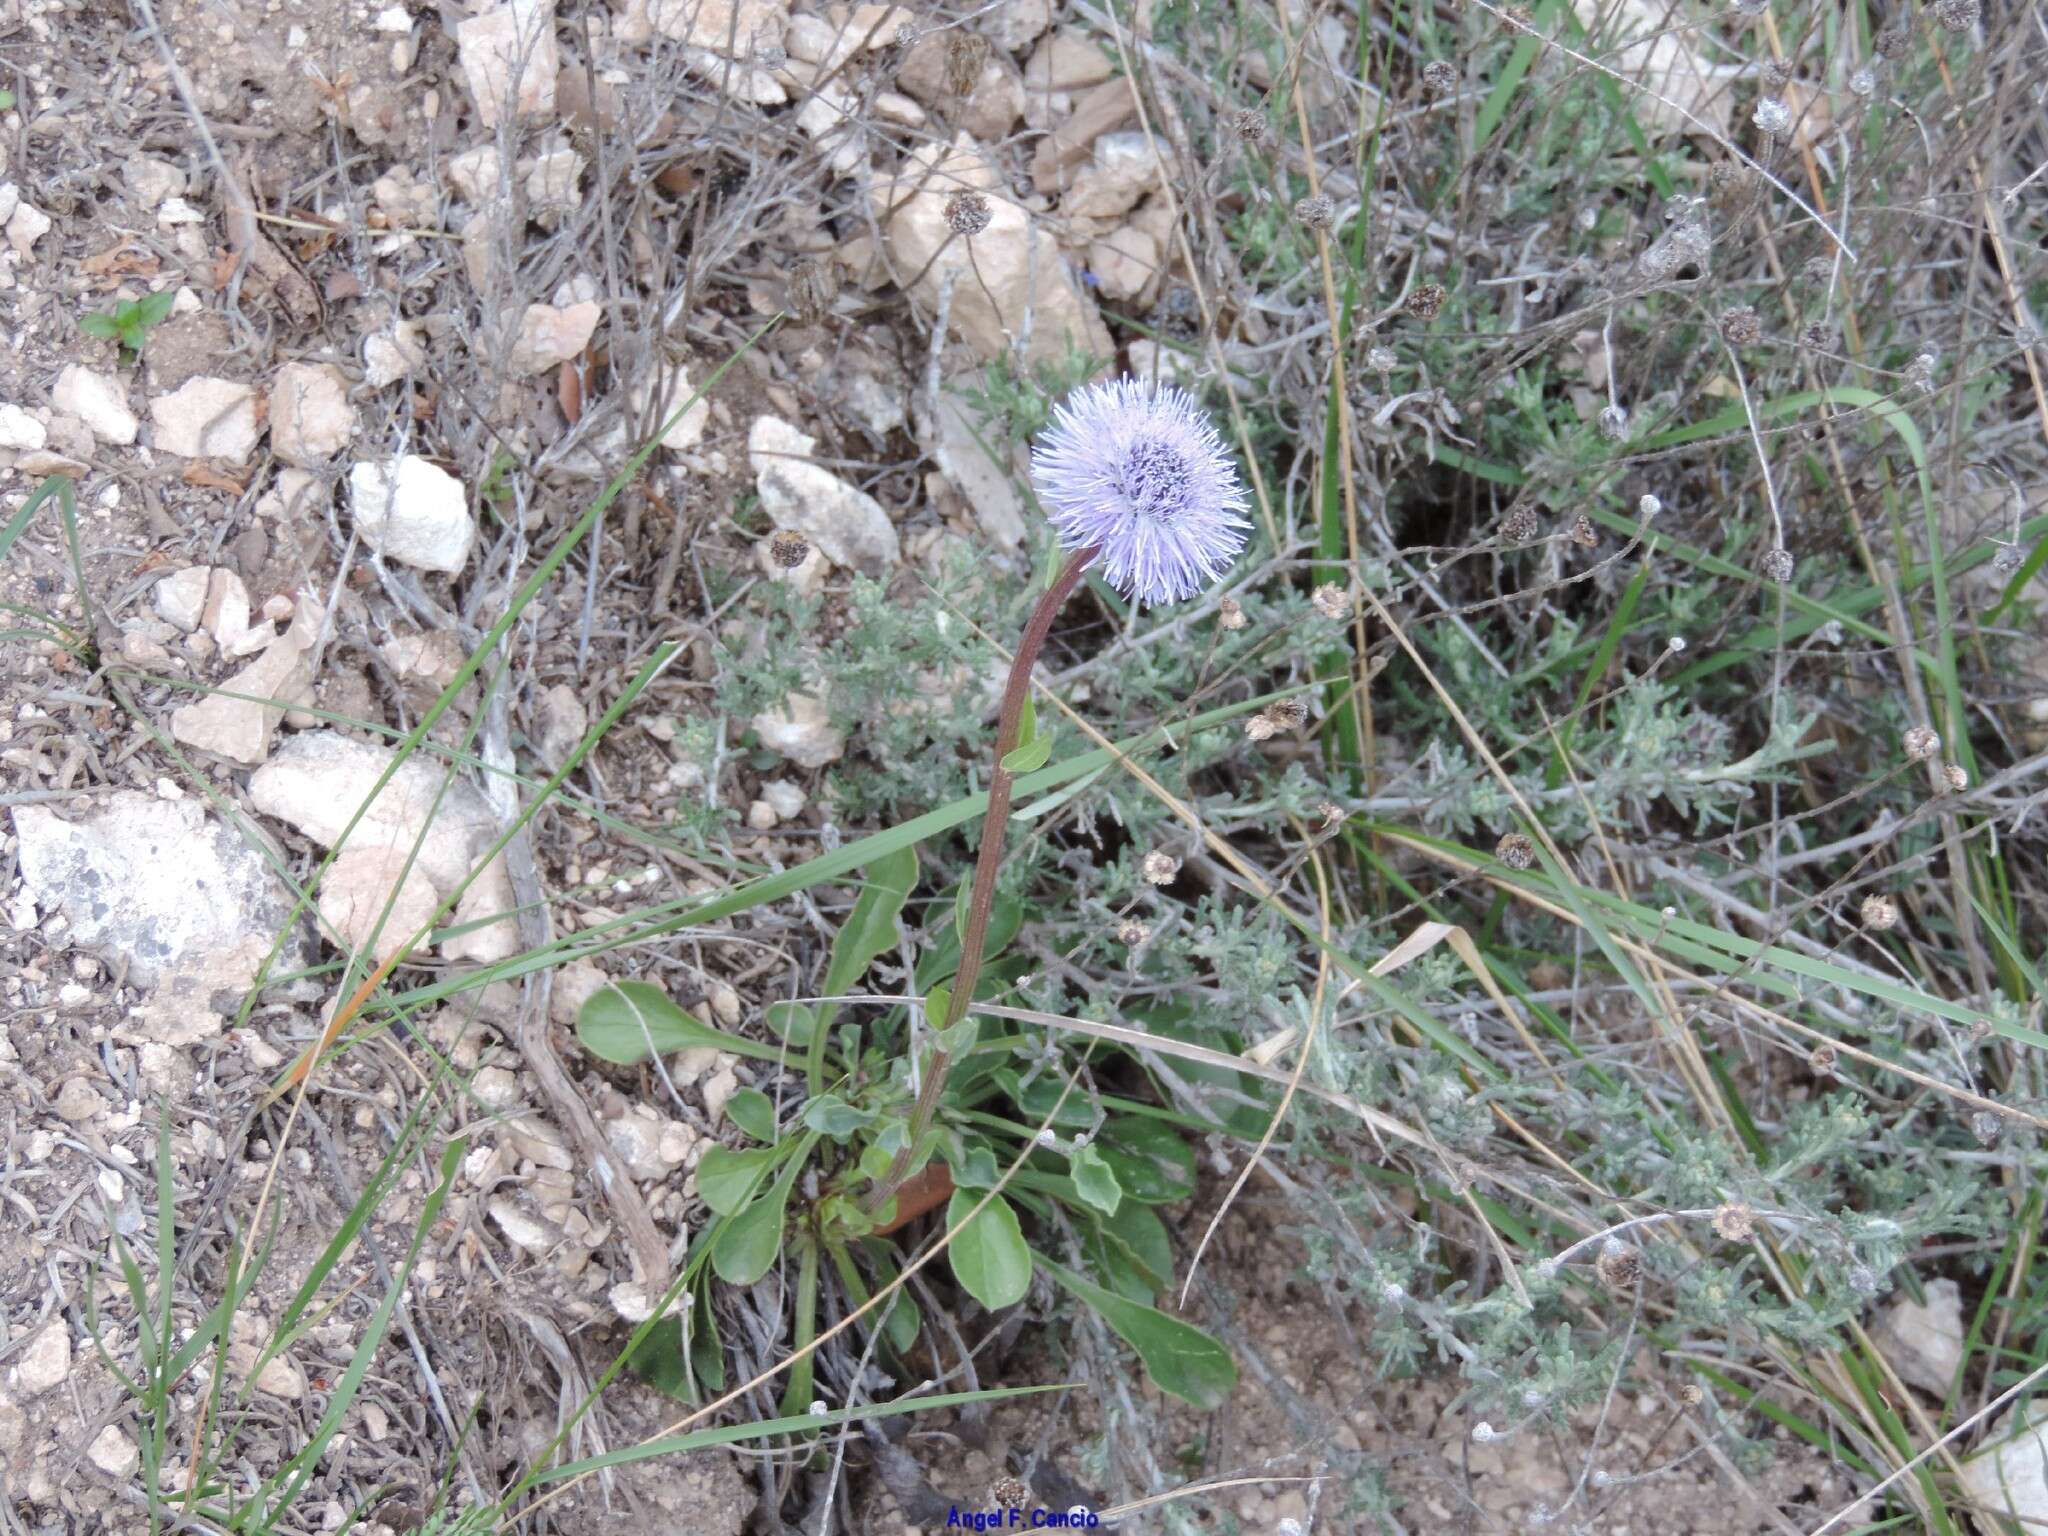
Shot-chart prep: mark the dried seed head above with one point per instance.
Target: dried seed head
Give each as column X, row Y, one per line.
column 1160, row 868
column 1619, row 1266
column 1008, row 1492
column 1230, row 614
column 1331, row 601
column 1426, row 299
column 1332, row 813
column 1735, row 1223
column 1515, row 850
column 1956, row 15
column 1725, row 177
column 1956, row 776
column 813, row 285
column 1131, row 933
column 1779, row 565
column 1986, row 1127
column 1818, row 337
column 1282, row 715
column 966, row 56
column 1691, row 1395
column 1315, row 212
column 1879, row 912
column 1920, row 373
column 1582, row 531
column 1649, row 507
column 967, row 213
column 1382, row 360
column 1249, row 124
column 1772, row 116
column 1614, row 423
column 1440, row 77
column 1776, row 74
column 1483, row 1433
column 2007, row 559
column 1519, row 526
column 1863, row 82
column 788, row 549
column 1821, row 1059
column 1741, row 327
column 1920, row 743
column 1894, row 42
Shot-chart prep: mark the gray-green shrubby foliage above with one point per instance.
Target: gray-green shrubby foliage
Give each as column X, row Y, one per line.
column 1246, row 951
column 761, row 655
column 1848, row 1194
column 1014, row 402
column 908, row 672
column 1655, row 748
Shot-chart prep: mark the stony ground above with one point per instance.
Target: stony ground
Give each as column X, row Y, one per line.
column 420, row 281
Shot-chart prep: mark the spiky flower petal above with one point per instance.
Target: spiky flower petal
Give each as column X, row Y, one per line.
column 1138, row 469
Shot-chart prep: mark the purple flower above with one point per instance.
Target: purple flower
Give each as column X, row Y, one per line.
column 1137, row 469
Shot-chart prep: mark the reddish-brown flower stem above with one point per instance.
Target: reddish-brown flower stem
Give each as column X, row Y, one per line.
column 994, row 824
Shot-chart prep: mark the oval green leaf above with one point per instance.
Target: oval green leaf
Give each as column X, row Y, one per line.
column 990, row 1258
column 973, row 1163
column 753, row 1112
column 1181, row 1358
column 727, row 1179
column 830, row 1115
column 1095, row 1181
column 1143, row 1235
column 746, row 1249
column 1030, row 757
column 1151, row 1161
column 794, row 1022
column 622, row 1020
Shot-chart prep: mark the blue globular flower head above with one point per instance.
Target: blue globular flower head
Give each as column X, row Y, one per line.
column 1138, row 469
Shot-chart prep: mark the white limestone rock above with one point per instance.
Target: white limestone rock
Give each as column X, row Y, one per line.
column 845, row 522
column 412, row 511
column 97, row 400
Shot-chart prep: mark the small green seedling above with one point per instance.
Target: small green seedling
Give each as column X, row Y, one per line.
column 130, row 322
column 496, row 490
